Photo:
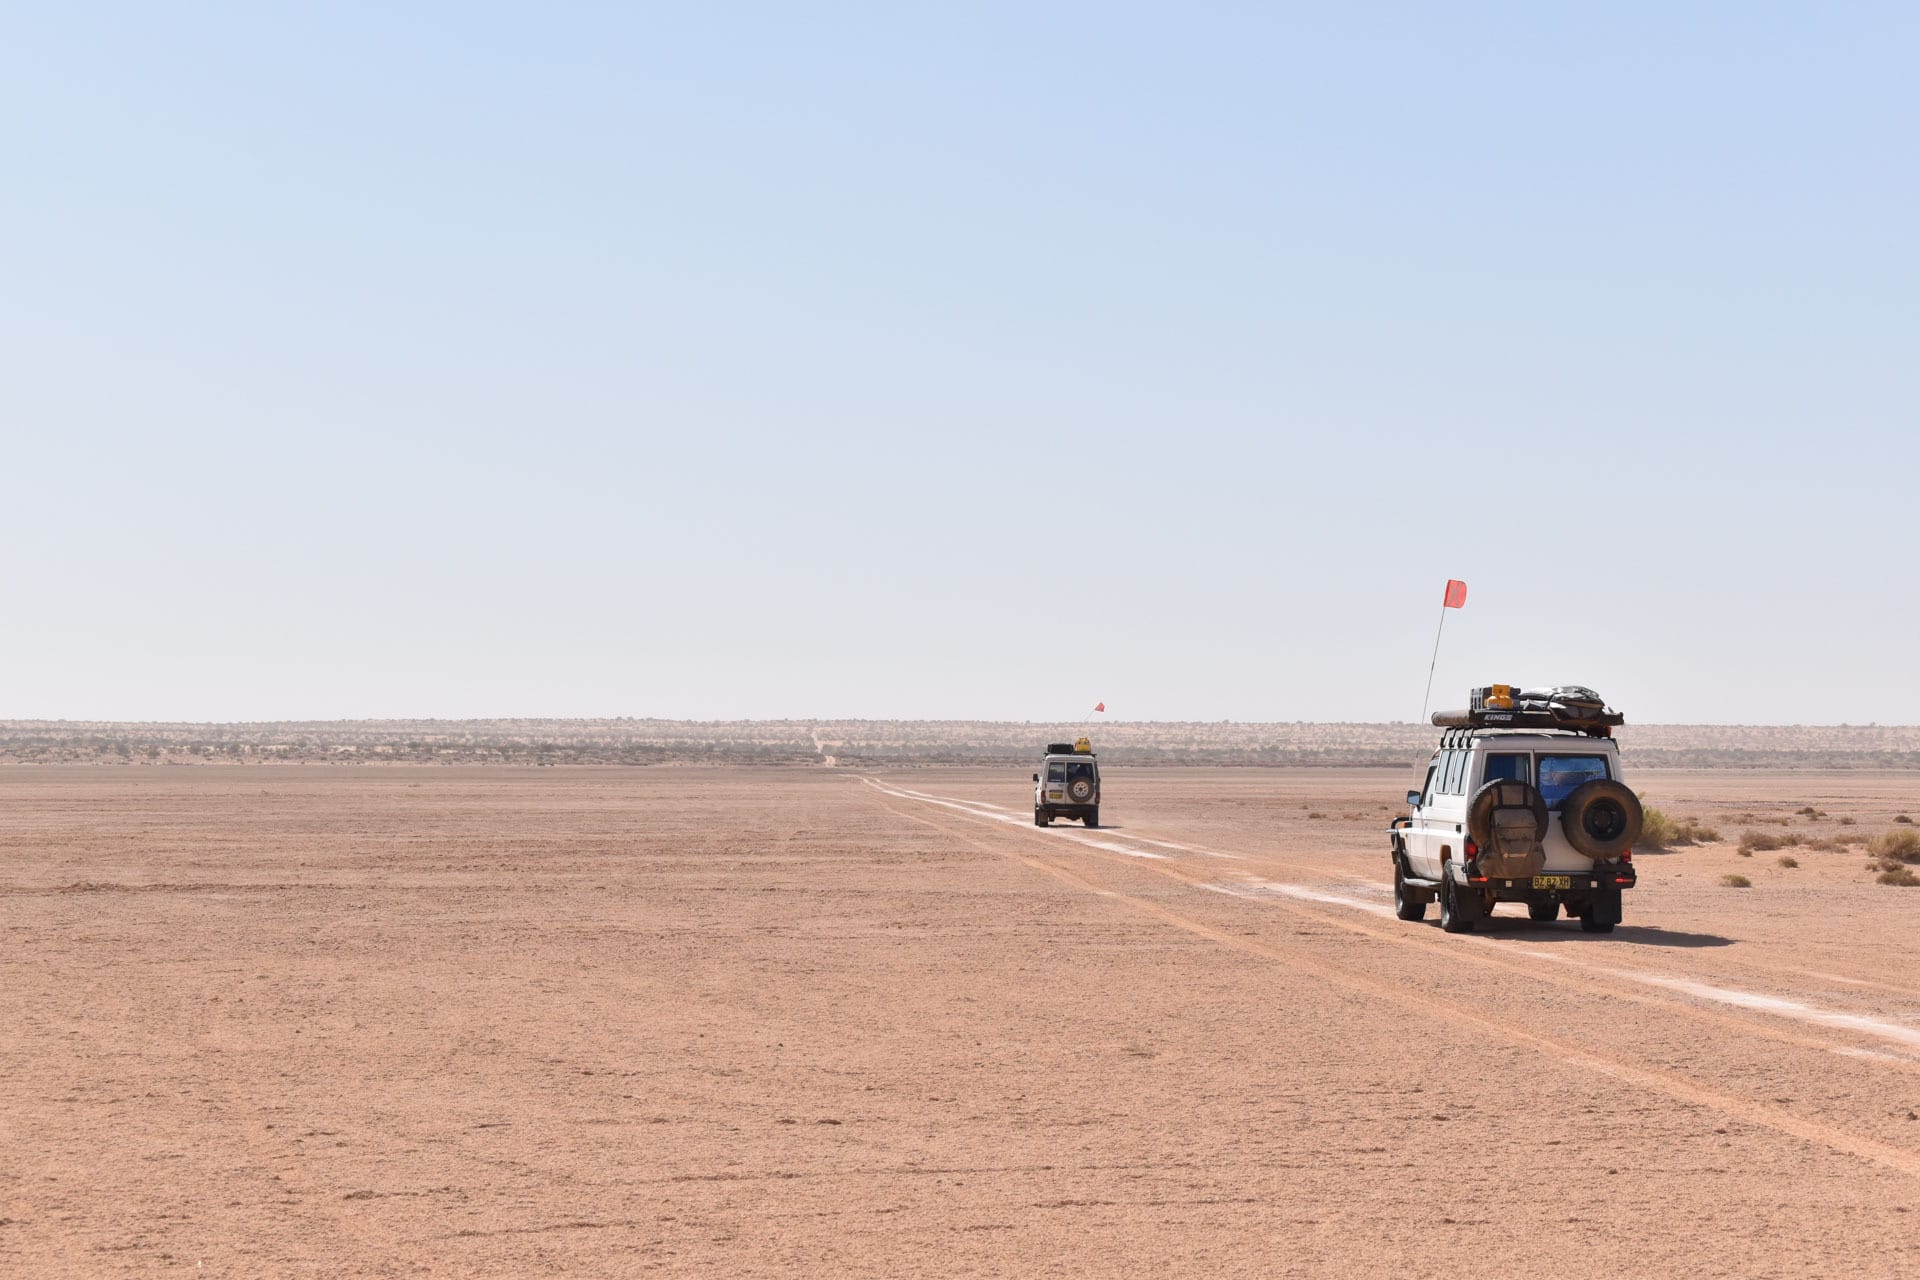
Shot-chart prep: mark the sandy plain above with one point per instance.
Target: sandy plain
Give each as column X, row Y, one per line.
column 735, row 1022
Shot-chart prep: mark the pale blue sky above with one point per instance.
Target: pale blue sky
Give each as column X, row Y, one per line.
column 980, row 361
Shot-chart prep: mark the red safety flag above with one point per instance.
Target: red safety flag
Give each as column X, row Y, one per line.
column 1456, row 594
column 1099, row 706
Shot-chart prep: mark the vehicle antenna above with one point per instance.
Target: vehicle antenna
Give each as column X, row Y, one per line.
column 1455, row 598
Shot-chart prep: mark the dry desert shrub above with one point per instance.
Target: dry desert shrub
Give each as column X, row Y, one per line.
column 1900, row 875
column 1846, row 822
column 1736, row 882
column 1903, row 818
column 1896, row 846
column 1661, row 830
column 1752, row 842
column 1788, row 861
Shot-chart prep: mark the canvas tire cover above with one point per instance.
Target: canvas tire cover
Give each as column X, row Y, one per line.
column 1504, row 794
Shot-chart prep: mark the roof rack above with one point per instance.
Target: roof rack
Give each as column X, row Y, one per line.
column 1466, row 737
column 1569, row 708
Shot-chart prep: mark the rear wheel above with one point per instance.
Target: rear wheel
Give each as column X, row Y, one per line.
column 1093, row 818
column 1041, row 818
column 1602, row 913
column 1408, row 903
column 1543, row 911
column 1458, row 908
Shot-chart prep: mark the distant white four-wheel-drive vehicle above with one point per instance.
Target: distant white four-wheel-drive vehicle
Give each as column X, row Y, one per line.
column 1068, row 784
column 1523, row 802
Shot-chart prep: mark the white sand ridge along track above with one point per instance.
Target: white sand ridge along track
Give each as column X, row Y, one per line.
column 1607, row 1010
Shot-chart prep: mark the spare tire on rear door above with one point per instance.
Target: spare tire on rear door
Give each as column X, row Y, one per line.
column 1080, row 790
column 1601, row 818
column 1504, row 793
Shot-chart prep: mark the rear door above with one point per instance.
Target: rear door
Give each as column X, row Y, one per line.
column 1054, row 780
column 1558, row 772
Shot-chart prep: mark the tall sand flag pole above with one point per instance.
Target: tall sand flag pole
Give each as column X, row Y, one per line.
column 1455, row 598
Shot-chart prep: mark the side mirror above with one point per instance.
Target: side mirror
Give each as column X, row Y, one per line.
column 1036, row 777
column 1413, row 799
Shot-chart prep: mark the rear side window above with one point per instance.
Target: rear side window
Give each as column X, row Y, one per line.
column 1057, row 771
column 1457, row 773
column 1508, row 766
column 1559, row 775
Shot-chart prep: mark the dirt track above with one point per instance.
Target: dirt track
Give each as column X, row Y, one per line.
column 283, row 1021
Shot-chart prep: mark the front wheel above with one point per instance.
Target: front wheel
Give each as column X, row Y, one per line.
column 1407, row 904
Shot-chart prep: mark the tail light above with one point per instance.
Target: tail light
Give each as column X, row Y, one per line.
column 1472, row 851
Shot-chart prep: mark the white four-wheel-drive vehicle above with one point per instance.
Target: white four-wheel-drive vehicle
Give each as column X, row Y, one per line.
column 1523, row 802
column 1068, row 784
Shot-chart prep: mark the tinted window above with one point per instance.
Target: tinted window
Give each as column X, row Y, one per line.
column 1559, row 775
column 1508, row 766
column 1056, row 772
column 1078, row 769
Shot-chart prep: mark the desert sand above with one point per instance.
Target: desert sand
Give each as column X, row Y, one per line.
column 292, row 1021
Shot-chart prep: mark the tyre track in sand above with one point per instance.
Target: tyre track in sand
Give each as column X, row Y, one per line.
column 951, row 820
column 1699, row 999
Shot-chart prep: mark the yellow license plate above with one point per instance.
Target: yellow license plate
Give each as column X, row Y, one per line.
column 1553, row 882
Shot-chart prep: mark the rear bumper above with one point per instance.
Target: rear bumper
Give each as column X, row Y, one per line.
column 1556, row 886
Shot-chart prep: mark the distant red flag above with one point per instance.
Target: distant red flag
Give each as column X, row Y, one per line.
column 1099, row 706
column 1456, row 594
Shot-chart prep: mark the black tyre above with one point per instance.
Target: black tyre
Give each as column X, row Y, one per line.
column 1541, row 912
column 1042, row 818
column 1093, row 818
column 1408, row 903
column 1080, row 790
column 1602, row 819
column 1458, row 908
column 1504, row 794
column 1602, row 913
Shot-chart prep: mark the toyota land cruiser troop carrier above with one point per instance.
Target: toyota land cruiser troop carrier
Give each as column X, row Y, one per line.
column 1068, row 784
column 1523, row 802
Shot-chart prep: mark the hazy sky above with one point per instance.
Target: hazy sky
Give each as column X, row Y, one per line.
column 957, row 361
